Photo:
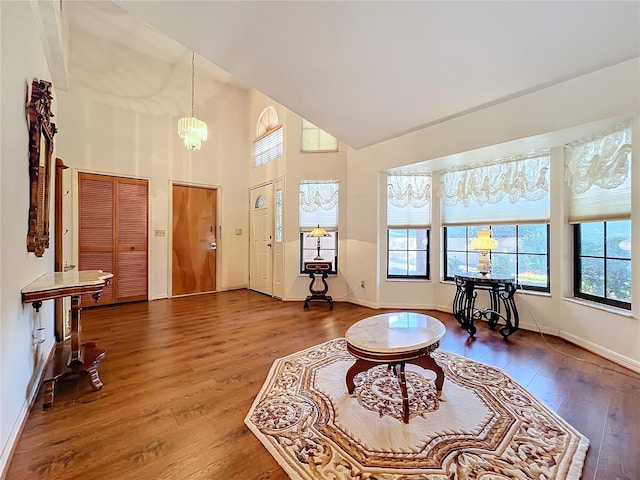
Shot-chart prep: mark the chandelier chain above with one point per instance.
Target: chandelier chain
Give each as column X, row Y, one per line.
column 193, row 74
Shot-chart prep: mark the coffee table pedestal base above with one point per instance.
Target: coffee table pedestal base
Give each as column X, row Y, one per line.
column 397, row 361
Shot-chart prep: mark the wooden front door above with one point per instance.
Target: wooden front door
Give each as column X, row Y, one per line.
column 261, row 236
column 194, row 240
column 113, row 234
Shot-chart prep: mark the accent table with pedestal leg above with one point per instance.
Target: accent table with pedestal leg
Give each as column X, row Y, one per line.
column 395, row 339
column 71, row 357
column 317, row 269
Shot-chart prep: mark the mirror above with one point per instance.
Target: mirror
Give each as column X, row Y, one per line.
column 41, row 132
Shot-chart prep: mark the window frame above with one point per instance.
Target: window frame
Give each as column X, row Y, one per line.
column 272, row 153
column 334, row 261
column 318, row 132
column 427, row 250
column 577, row 271
column 516, row 253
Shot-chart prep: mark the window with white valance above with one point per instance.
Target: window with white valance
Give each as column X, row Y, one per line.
column 319, row 207
column 408, row 222
column 598, row 175
column 514, row 189
column 511, row 197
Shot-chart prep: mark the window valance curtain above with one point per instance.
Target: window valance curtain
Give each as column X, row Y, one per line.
column 506, row 190
column 598, row 175
column 411, row 189
column 409, row 199
column 319, row 204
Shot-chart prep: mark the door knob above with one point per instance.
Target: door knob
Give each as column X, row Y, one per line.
column 268, row 244
column 213, row 245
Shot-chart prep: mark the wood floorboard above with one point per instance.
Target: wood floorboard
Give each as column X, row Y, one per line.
column 180, row 376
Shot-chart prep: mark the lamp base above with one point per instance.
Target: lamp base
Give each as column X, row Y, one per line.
column 318, row 258
column 484, row 265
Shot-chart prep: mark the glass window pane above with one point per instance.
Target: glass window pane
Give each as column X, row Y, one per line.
column 505, row 235
column 397, row 239
column 398, row 263
column 456, row 263
column 619, row 239
column 420, row 237
column 592, row 239
column 417, row 263
column 619, row 280
column 456, row 238
column 473, row 261
column 532, row 270
column 532, row 238
column 503, row 264
column 592, row 282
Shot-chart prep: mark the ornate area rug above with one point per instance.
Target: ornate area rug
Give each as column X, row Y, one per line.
column 485, row 426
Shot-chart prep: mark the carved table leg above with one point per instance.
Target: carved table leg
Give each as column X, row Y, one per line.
column 429, row 363
column 399, row 371
column 49, row 386
column 358, row 367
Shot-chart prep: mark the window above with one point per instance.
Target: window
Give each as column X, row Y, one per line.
column 278, row 232
column 313, row 139
column 408, row 224
column 521, row 253
column 603, row 262
column 510, row 196
column 319, row 207
column 598, row 175
column 268, row 145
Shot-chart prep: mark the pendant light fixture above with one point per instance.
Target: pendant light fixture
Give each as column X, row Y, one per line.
column 191, row 130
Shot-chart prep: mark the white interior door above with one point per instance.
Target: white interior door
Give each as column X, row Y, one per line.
column 261, row 240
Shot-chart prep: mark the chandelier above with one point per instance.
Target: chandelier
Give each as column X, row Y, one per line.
column 191, row 130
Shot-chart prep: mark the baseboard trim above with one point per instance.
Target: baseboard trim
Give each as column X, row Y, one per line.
column 18, row 426
column 601, row 351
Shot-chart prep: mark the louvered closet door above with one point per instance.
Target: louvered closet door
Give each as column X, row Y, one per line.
column 131, row 239
column 96, row 229
column 113, row 226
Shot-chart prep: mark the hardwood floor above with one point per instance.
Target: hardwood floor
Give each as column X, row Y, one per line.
column 180, row 375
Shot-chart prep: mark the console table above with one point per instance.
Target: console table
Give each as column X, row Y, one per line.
column 501, row 290
column 315, row 269
column 82, row 357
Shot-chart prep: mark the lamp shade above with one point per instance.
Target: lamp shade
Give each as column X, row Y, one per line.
column 318, row 232
column 483, row 241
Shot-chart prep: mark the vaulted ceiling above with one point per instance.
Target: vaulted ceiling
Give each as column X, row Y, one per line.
column 364, row 71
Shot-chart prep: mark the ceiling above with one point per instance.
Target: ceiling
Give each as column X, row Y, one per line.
column 365, row 71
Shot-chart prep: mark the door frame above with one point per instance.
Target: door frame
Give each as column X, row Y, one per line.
column 169, row 231
column 272, row 229
column 74, row 209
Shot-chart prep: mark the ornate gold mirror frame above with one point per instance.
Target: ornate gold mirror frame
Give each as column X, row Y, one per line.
column 41, row 132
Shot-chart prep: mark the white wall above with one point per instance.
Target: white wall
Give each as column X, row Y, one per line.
column 99, row 138
column 546, row 118
column 21, row 362
column 293, row 167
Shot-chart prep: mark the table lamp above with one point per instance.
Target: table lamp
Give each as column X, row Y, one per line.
column 484, row 244
column 318, row 232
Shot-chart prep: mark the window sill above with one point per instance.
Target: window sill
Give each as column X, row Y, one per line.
column 404, row 280
column 599, row 306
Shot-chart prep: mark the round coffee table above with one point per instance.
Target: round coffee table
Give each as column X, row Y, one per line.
column 395, row 339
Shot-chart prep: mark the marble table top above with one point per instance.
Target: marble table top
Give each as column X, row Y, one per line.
column 73, row 278
column 395, row 332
